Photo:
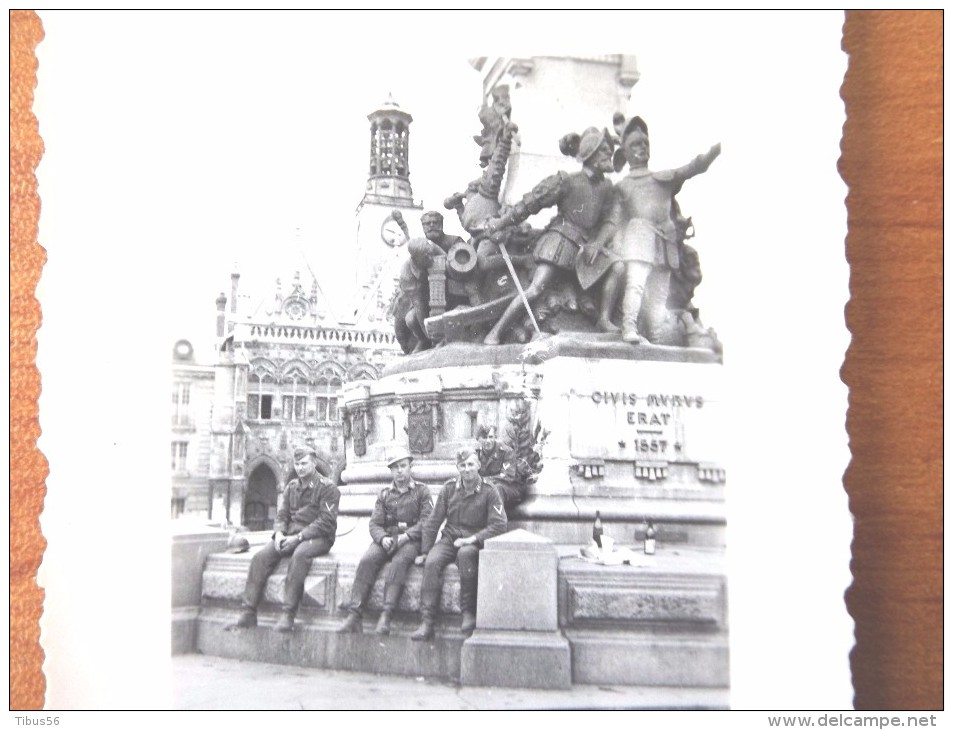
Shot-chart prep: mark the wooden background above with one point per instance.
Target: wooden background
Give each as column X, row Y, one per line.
column 892, row 160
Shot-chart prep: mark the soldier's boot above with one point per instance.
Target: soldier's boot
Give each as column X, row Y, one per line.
column 469, row 623
column 286, row 623
column 383, row 623
column 351, row 625
column 248, row 619
column 424, row 632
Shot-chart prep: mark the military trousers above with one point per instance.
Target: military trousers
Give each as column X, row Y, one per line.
column 395, row 574
column 439, row 557
column 265, row 561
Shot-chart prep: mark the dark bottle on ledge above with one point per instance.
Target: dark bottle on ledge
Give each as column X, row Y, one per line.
column 597, row 530
column 650, row 539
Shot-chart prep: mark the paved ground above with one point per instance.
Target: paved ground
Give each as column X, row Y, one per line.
column 212, row 683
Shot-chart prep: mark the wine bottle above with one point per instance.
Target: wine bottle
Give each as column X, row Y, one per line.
column 650, row 539
column 597, row 530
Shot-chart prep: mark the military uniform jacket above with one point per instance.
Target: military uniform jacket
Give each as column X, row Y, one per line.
column 309, row 508
column 587, row 207
column 396, row 512
column 479, row 513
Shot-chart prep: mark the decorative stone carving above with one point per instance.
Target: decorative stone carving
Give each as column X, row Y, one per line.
column 590, row 468
column 358, row 423
column 711, row 473
column 635, row 603
column 651, row 470
column 422, row 425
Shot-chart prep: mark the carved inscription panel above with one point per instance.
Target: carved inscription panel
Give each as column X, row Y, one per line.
column 640, row 604
column 648, row 411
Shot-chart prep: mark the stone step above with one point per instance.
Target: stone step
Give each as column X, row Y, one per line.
column 649, row 659
column 662, row 621
column 315, row 643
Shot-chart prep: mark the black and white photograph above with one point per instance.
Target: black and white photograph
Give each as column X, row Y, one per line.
column 503, row 354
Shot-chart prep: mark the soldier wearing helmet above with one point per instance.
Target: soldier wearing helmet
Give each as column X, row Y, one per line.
column 305, row 527
column 654, row 231
column 577, row 238
column 395, row 529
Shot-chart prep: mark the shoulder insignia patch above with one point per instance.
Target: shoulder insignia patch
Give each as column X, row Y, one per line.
column 499, row 509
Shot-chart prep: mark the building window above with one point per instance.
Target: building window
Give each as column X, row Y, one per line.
column 180, row 451
column 328, row 389
column 259, row 406
column 178, row 506
column 262, row 398
column 293, row 407
column 294, row 404
column 181, row 414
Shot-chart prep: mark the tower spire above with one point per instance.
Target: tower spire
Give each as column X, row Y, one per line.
column 388, row 177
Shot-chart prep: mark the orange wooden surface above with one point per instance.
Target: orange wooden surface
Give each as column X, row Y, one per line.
column 892, row 160
column 893, row 164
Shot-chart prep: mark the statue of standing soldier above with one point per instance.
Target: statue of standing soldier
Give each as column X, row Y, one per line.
column 654, row 231
column 577, row 239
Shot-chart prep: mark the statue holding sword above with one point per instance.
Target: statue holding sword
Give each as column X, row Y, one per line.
column 577, row 239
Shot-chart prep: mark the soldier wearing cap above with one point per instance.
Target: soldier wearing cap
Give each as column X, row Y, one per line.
column 305, row 527
column 654, row 230
column 395, row 528
column 578, row 237
column 473, row 511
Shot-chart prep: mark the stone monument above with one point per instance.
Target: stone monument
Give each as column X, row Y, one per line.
column 581, row 345
column 572, row 359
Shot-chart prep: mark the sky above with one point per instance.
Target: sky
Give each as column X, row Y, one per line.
column 179, row 144
column 242, row 138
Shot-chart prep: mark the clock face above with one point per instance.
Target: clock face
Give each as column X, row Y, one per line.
column 183, row 349
column 392, row 233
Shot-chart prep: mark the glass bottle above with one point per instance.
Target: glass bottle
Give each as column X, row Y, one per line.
column 650, row 538
column 597, row 530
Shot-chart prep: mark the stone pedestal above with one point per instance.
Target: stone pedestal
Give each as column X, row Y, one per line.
column 189, row 552
column 517, row 642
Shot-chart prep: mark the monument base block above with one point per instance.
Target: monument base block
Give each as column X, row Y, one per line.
column 536, row 659
column 654, row 659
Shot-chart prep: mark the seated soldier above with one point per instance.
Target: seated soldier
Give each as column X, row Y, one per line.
column 305, row 527
column 395, row 528
column 492, row 453
column 473, row 512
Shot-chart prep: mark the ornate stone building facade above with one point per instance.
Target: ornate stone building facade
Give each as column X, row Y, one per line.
column 283, row 363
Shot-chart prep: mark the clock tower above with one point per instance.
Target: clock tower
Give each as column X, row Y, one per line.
column 381, row 237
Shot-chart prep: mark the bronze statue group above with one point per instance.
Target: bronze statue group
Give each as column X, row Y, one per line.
column 614, row 255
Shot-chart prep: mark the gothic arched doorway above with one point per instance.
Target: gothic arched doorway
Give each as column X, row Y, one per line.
column 261, row 499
